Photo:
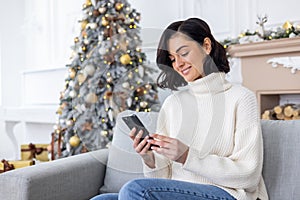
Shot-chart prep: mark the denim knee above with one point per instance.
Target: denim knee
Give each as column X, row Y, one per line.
column 132, row 190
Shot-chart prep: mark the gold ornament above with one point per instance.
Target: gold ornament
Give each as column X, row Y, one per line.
column 104, row 22
column 76, row 39
column 125, row 59
column 72, row 73
column 74, row 141
column 83, row 24
column 287, row 25
column 81, row 78
column 59, row 110
column 91, row 98
column 88, row 2
column 119, row 6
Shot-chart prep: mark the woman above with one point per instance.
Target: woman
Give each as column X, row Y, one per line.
column 208, row 133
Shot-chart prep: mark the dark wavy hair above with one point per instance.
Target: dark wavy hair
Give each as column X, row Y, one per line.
column 197, row 30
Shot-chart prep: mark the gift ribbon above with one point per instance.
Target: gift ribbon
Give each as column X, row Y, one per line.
column 54, row 139
column 34, row 150
column 7, row 166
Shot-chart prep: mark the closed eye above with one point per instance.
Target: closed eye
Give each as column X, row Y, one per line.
column 185, row 54
column 172, row 59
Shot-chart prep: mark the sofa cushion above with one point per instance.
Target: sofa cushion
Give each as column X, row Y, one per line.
column 124, row 163
column 281, row 158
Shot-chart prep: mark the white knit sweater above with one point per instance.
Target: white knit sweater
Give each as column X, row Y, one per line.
column 220, row 124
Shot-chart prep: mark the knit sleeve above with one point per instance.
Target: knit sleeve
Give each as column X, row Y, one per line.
column 241, row 169
column 163, row 166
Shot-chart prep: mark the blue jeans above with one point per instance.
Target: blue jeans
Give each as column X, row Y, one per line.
column 165, row 189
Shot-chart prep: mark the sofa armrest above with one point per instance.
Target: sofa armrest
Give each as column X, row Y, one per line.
column 77, row 177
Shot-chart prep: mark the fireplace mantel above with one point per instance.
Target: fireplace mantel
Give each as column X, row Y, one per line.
column 259, row 76
column 269, row 47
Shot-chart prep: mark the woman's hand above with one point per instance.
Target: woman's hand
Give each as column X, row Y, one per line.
column 171, row 148
column 142, row 147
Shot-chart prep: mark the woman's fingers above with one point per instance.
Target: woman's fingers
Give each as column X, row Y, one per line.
column 170, row 147
column 162, row 137
column 146, row 146
column 132, row 133
column 140, row 144
column 137, row 138
column 163, row 141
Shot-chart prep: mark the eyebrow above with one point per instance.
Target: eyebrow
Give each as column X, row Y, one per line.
column 181, row 48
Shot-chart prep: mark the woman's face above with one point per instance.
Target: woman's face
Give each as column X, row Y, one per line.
column 187, row 56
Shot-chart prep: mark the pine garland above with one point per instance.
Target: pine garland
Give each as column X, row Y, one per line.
column 287, row 30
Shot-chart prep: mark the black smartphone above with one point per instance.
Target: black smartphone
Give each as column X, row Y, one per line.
column 133, row 121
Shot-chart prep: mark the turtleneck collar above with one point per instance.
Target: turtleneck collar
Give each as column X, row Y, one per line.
column 210, row 84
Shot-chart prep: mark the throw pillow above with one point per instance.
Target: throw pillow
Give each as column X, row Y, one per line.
column 281, row 158
column 124, row 163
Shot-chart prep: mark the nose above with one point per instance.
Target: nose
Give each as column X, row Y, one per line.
column 178, row 63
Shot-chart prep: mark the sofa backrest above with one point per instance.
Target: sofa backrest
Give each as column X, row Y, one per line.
column 281, row 169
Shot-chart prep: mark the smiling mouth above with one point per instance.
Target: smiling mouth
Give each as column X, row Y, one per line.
column 186, row 70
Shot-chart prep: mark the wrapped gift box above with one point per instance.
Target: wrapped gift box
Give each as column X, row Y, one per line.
column 14, row 164
column 34, row 151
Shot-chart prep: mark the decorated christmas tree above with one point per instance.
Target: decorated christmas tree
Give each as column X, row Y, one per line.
column 107, row 73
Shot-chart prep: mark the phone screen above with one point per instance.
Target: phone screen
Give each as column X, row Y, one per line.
column 133, row 121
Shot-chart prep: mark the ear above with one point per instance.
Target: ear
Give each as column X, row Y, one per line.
column 207, row 45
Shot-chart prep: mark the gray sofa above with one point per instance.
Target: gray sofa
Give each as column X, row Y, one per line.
column 84, row 176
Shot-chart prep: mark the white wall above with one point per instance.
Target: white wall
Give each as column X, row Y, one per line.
column 51, row 26
column 35, row 39
column 0, row 73
column 12, row 45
